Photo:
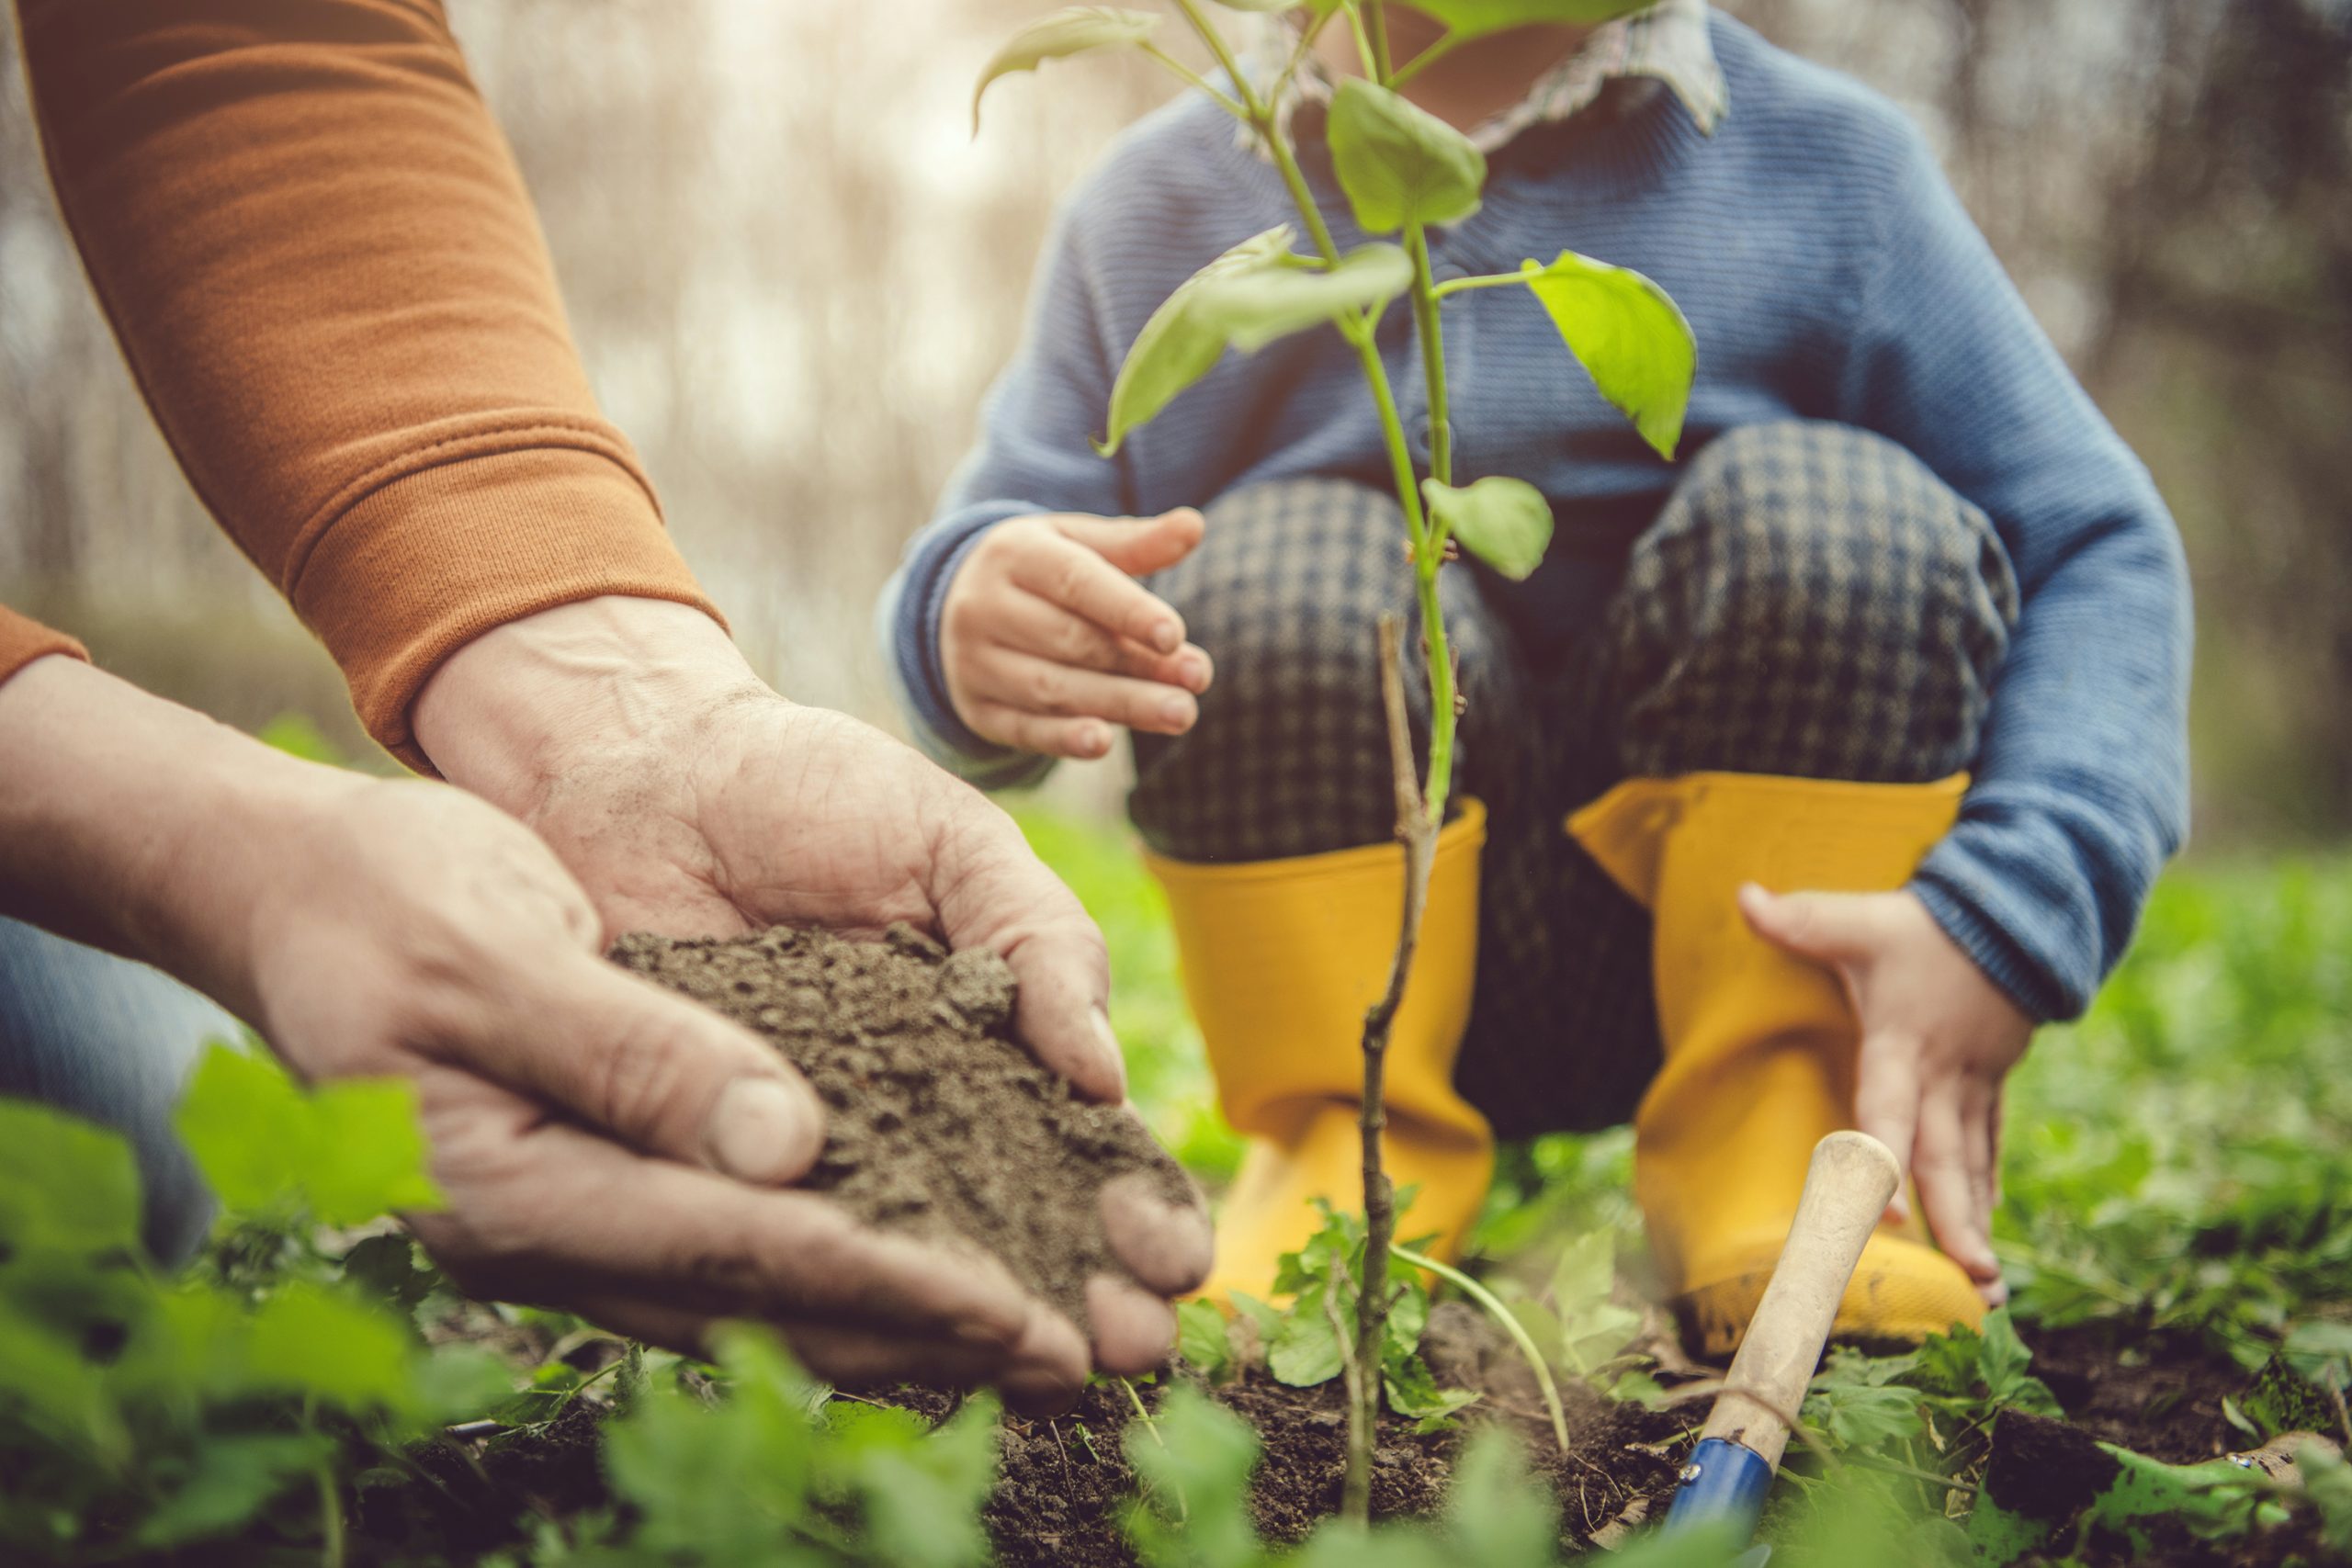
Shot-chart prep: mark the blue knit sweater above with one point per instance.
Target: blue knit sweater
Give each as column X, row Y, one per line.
column 1829, row 273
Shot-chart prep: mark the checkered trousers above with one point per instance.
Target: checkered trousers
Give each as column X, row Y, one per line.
column 1811, row 602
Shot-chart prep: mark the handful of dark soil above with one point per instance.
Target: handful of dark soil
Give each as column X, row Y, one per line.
column 940, row 1124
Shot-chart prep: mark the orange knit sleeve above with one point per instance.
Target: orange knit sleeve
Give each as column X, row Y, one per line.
column 23, row 640
column 318, row 256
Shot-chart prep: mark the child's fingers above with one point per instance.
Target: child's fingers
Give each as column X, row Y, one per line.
column 1065, row 572
column 1886, row 1099
column 1945, row 1191
column 1048, row 735
column 1032, row 624
column 1040, row 685
column 1139, row 546
column 1981, row 1141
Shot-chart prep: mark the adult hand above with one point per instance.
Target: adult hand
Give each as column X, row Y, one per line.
column 1047, row 639
column 1937, row 1039
column 378, row 929
column 691, row 800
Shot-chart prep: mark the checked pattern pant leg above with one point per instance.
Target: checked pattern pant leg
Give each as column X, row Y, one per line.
column 1811, row 602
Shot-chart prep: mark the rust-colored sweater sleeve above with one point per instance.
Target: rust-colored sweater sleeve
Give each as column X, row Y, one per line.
column 318, row 254
column 22, row 641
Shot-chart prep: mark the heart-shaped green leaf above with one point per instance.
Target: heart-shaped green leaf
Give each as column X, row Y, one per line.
column 1399, row 162
column 1476, row 18
column 1256, row 292
column 1066, row 32
column 1504, row 522
column 1630, row 337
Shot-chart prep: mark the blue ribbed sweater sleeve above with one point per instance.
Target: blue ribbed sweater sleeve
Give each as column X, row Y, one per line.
column 1034, row 455
column 2081, row 791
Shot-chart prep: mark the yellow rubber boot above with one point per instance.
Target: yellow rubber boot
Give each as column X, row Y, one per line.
column 1280, row 958
column 1760, row 1046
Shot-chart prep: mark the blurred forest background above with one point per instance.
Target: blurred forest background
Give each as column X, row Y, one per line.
column 792, row 272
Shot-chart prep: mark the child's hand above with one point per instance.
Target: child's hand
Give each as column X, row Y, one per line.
column 1046, row 634
column 1937, row 1038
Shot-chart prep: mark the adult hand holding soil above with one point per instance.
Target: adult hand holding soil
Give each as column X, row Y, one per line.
column 1047, row 639
column 375, row 929
column 1937, row 1039
column 691, row 800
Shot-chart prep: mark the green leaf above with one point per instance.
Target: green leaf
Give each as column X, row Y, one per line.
column 1629, row 336
column 1476, row 18
column 64, row 1183
column 920, row 1493
column 1254, row 293
column 1203, row 1453
column 1306, row 1349
column 351, row 1152
column 1504, row 522
column 306, row 1341
column 1264, row 1318
column 1857, row 1415
column 1496, row 1513
column 1413, row 1392
column 1201, row 1339
column 1399, row 162
column 231, row 1479
column 1075, row 30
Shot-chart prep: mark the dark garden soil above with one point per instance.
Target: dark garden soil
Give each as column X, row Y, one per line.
column 1066, row 1482
column 939, row 1123
column 943, row 1127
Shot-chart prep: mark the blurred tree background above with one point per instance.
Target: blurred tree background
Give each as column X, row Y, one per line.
column 792, row 272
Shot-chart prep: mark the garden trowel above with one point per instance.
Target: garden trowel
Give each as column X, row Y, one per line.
column 1852, row 1179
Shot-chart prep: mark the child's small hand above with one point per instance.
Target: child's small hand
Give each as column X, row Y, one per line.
column 1046, row 634
column 1937, row 1038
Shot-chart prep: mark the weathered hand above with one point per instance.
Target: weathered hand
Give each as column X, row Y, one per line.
column 1046, row 641
column 1937, row 1039
column 605, row 1145
column 691, row 800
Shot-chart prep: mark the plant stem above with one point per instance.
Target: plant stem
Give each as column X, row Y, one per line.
column 1183, row 1509
column 1186, row 73
column 1510, row 1325
column 330, row 1550
column 1433, row 336
column 1445, row 45
column 1429, row 553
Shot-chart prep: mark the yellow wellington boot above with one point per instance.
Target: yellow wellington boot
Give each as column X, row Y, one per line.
column 1760, row 1046
column 1281, row 959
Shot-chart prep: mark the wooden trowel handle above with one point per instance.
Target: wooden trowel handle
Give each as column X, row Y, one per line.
column 1852, row 1179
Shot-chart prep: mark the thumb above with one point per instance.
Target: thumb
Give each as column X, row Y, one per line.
column 1140, row 546
column 652, row 1070
column 1828, row 928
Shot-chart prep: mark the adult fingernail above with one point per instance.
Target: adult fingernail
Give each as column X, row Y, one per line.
column 762, row 1130
column 1111, row 1050
column 1167, row 637
column 1177, row 711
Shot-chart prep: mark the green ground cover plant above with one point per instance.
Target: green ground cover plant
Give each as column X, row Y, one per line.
column 312, row 1392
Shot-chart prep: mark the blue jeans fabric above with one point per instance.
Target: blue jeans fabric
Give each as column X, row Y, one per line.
column 112, row 1041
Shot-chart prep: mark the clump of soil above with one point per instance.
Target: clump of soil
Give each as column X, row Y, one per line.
column 2045, row 1469
column 940, row 1124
